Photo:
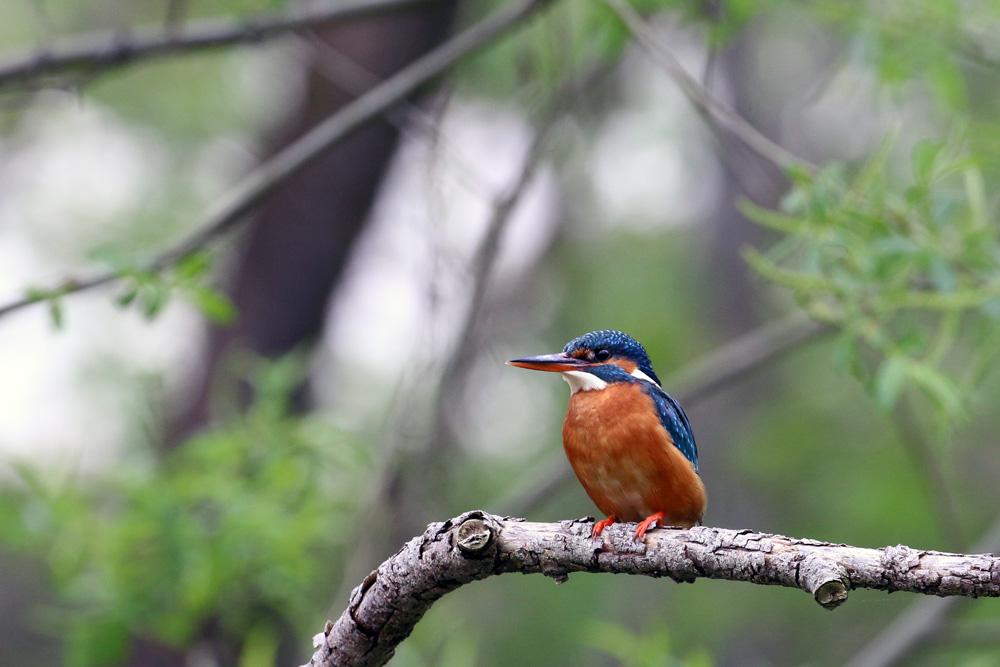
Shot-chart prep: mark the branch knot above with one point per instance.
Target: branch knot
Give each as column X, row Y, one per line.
column 900, row 558
column 474, row 537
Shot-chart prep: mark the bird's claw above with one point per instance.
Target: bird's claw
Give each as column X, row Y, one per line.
column 599, row 526
column 648, row 523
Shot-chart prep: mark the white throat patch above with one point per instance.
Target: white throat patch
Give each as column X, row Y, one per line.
column 582, row 381
column 642, row 376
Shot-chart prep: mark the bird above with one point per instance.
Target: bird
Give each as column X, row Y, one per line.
column 628, row 441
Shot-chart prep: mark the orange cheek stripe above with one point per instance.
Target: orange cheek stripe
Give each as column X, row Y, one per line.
column 625, row 364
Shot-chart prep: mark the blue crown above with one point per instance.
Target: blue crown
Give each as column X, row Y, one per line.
column 618, row 344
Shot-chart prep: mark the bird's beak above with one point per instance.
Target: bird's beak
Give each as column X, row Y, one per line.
column 551, row 362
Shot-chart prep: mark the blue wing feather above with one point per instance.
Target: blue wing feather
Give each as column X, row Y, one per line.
column 675, row 421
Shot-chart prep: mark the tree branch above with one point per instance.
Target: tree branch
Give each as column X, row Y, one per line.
column 701, row 98
column 106, row 49
column 387, row 605
column 242, row 198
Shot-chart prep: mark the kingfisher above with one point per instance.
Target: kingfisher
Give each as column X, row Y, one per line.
column 628, row 441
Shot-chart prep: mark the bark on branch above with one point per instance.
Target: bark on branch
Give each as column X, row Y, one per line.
column 391, row 600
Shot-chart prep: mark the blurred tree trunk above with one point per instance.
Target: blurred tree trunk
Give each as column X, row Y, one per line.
column 746, row 175
column 297, row 246
column 736, row 301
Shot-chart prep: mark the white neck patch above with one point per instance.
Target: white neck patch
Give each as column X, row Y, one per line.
column 642, row 376
column 582, row 381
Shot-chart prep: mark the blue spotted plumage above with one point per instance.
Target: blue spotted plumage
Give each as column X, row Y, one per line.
column 619, row 344
column 675, row 421
column 629, row 442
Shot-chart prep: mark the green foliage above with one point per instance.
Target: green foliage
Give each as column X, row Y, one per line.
column 905, row 272
column 237, row 528
column 150, row 289
column 916, row 40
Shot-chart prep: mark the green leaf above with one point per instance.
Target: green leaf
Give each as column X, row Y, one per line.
column 975, row 195
column 127, row 296
column 948, row 82
column 213, row 304
column 889, row 381
column 942, row 274
column 192, row 266
column 782, row 222
column 923, row 160
column 56, row 312
column 797, row 280
column 153, row 297
column 799, row 175
column 36, row 294
column 939, row 387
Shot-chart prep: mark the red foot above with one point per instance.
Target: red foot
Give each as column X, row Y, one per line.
column 601, row 525
column 648, row 523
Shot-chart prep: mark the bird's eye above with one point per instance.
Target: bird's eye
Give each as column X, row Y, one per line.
column 602, row 355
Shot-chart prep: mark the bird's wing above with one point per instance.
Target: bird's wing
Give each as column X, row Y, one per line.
column 675, row 421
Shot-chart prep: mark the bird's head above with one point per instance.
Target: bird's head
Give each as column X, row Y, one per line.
column 595, row 360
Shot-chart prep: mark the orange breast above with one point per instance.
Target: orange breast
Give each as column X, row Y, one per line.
column 626, row 460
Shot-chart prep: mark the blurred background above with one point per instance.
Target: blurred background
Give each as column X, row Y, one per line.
column 791, row 205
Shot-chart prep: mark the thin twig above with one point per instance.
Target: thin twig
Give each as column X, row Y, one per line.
column 108, row 49
column 243, row 197
column 409, row 118
column 388, row 477
column 701, row 98
column 737, row 358
column 481, row 265
column 385, row 490
column 487, row 253
column 695, row 382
